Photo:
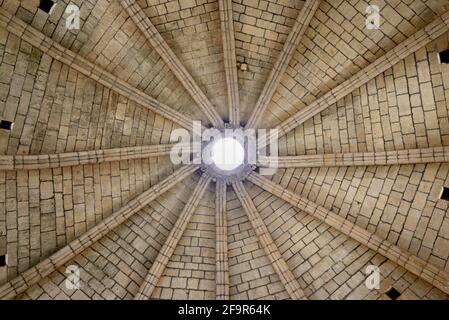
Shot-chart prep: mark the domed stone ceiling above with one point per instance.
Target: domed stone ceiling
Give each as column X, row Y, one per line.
column 93, row 207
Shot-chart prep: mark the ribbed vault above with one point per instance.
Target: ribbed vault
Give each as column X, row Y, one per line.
column 86, row 178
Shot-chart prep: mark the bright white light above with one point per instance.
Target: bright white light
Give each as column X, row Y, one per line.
column 227, row 154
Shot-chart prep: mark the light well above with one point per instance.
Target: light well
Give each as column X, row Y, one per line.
column 228, row 154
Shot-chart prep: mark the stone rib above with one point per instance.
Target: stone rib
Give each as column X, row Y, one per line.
column 271, row 250
column 412, row 263
column 293, row 40
column 158, row 267
column 33, row 162
column 162, row 48
column 44, row 268
column 37, row 39
column 230, row 60
column 418, row 40
column 221, row 246
column 411, row 156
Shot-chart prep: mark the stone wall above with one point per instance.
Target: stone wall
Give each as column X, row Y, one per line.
column 403, row 108
column 43, row 210
column 329, row 265
column 399, row 203
column 338, row 44
column 115, row 266
column 60, row 106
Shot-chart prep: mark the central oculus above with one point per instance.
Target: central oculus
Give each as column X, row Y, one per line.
column 227, row 154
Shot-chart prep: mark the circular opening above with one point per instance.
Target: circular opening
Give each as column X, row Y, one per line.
column 227, row 154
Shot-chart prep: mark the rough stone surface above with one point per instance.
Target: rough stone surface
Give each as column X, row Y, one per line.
column 86, row 180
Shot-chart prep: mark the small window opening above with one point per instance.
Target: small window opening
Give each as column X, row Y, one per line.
column 393, row 294
column 445, row 194
column 6, row 125
column 444, row 56
column 2, row 260
column 46, row 5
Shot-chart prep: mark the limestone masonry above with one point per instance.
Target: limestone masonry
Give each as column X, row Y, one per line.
column 92, row 206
